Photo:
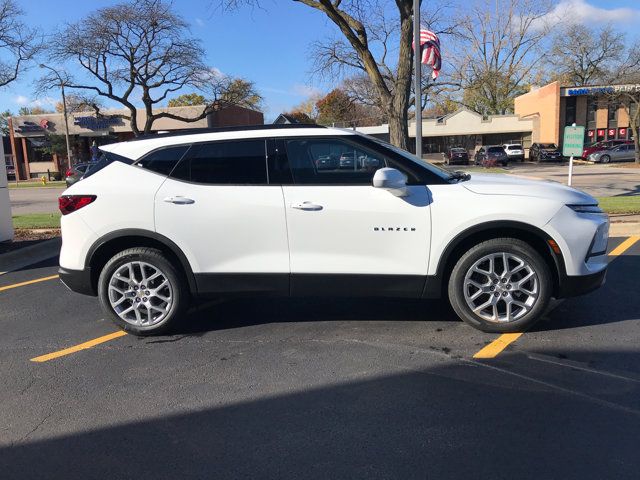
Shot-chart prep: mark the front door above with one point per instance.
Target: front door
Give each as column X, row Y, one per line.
column 218, row 208
column 345, row 236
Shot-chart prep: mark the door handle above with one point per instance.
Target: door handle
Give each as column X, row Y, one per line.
column 179, row 200
column 306, row 206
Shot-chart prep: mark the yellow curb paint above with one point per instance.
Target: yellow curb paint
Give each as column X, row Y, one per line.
column 22, row 284
column 77, row 348
column 624, row 246
column 498, row 345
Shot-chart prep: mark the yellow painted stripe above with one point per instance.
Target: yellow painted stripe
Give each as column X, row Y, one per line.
column 624, row 246
column 22, row 284
column 77, row 348
column 498, row 345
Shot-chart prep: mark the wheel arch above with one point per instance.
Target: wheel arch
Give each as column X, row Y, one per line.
column 534, row 236
column 110, row 244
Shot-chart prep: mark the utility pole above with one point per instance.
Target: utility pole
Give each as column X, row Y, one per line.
column 64, row 110
column 417, row 86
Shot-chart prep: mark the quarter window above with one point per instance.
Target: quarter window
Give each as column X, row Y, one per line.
column 331, row 161
column 225, row 163
column 164, row 160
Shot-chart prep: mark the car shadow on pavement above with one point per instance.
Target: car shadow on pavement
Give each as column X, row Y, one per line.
column 451, row 420
column 243, row 312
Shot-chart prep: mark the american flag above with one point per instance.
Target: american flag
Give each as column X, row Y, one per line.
column 430, row 49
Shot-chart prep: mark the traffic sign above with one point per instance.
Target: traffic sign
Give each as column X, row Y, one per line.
column 573, row 141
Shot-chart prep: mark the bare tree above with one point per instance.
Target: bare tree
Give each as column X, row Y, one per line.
column 140, row 51
column 18, row 43
column 499, row 48
column 584, row 56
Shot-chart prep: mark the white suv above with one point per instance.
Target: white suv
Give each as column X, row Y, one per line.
column 272, row 210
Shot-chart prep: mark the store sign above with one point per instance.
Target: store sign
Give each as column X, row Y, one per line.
column 601, row 132
column 572, row 92
column 611, row 133
column 28, row 127
column 622, row 133
column 591, row 133
column 96, row 123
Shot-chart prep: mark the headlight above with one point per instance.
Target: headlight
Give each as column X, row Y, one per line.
column 599, row 242
column 586, row 208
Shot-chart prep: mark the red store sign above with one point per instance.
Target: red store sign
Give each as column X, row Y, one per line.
column 590, row 133
column 611, row 132
column 622, row 133
column 601, row 132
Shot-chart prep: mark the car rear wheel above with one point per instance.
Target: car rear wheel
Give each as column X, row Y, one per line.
column 142, row 292
column 500, row 285
column 605, row 158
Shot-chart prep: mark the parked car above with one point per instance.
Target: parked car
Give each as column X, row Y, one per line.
column 75, row 173
column 11, row 170
column 348, row 160
column 620, row 153
column 327, row 162
column 161, row 220
column 602, row 145
column 544, row 152
column 457, row 155
column 492, row 153
column 515, row 151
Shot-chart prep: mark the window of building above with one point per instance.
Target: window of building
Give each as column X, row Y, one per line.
column 570, row 111
column 331, row 161
column 612, row 114
column 225, row 163
column 592, row 107
column 164, row 160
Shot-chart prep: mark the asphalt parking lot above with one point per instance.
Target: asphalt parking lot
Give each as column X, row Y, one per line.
column 317, row 388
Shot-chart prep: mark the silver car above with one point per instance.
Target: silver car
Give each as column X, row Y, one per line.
column 620, row 153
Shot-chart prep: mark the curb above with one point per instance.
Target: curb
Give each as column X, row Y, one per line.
column 23, row 257
column 624, row 229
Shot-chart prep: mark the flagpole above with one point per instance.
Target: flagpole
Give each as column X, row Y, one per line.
column 418, row 80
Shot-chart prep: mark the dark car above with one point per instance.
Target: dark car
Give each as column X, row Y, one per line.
column 490, row 154
column 11, row 170
column 327, row 162
column 603, row 145
column 75, row 173
column 456, row 155
column 544, row 152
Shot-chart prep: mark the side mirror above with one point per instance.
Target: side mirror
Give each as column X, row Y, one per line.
column 392, row 180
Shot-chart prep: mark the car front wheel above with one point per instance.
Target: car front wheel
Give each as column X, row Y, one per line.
column 142, row 292
column 605, row 158
column 500, row 285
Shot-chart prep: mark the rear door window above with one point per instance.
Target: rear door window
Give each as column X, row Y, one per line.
column 241, row 162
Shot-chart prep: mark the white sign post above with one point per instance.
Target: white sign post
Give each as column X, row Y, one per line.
column 6, row 224
column 572, row 145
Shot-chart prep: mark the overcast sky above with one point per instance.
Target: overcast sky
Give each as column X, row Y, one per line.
column 268, row 46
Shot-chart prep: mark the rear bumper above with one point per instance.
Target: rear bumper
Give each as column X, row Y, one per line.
column 78, row 281
column 572, row 286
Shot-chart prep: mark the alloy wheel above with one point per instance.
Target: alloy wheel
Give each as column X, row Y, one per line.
column 501, row 287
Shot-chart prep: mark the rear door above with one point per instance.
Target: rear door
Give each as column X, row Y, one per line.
column 218, row 207
column 345, row 236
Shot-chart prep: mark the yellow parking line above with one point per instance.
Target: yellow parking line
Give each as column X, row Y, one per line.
column 624, row 246
column 77, row 348
column 498, row 345
column 22, row 284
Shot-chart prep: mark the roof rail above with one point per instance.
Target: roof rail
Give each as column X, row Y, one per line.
column 238, row 128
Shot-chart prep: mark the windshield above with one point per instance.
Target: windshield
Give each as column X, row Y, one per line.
column 548, row 145
column 458, row 150
column 440, row 172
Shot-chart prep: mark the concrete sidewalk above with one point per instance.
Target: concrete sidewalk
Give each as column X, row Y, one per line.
column 22, row 257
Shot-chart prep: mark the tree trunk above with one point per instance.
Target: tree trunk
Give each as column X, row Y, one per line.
column 636, row 143
column 398, row 110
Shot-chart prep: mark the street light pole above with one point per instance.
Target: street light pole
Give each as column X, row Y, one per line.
column 64, row 111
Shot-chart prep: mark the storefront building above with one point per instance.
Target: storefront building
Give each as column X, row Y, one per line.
column 32, row 136
column 554, row 107
column 465, row 129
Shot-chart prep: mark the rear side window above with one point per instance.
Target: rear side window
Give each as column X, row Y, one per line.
column 164, row 160
column 225, row 163
column 106, row 159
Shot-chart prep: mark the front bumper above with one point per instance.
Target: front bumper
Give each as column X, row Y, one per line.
column 78, row 281
column 572, row 286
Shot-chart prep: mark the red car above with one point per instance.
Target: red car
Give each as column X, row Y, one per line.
column 603, row 145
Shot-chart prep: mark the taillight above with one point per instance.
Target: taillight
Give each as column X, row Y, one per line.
column 70, row 203
column 69, row 173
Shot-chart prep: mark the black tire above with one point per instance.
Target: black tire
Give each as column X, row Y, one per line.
column 173, row 275
column 605, row 159
column 498, row 245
